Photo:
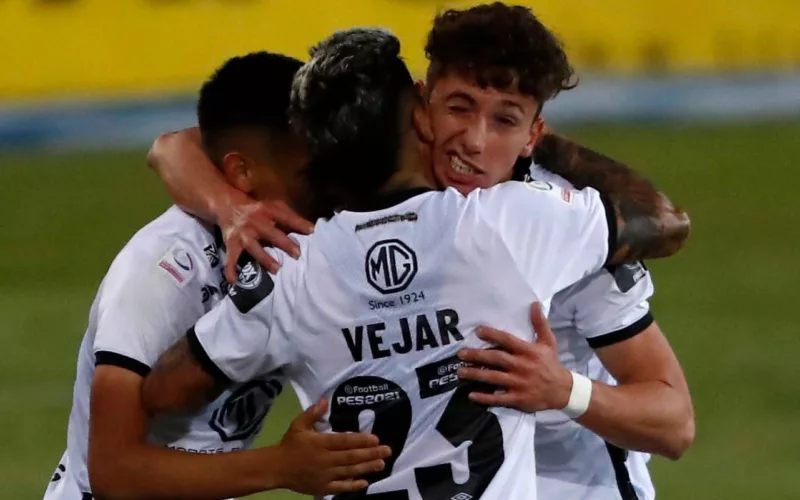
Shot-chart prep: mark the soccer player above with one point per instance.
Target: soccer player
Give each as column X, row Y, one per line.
column 392, row 286
column 165, row 278
column 603, row 324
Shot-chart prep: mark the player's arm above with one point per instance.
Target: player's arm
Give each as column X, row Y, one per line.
column 648, row 224
column 141, row 310
column 650, row 409
column 233, row 343
column 123, row 466
column 199, row 187
column 180, row 382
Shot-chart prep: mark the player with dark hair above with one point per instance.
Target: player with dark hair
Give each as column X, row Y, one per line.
column 495, row 62
column 395, row 283
column 492, row 69
column 167, row 276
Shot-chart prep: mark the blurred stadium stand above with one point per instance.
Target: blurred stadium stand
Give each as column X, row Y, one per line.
column 99, row 74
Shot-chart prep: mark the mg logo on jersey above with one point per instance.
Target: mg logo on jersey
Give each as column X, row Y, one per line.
column 390, row 266
column 243, row 412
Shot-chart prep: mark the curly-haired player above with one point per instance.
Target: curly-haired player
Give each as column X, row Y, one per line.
column 493, row 68
column 392, row 286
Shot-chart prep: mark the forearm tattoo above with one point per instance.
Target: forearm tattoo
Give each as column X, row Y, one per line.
column 648, row 224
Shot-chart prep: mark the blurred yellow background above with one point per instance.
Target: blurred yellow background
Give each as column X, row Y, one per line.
column 136, row 47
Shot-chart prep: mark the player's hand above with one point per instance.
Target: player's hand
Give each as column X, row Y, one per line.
column 530, row 373
column 248, row 225
column 314, row 463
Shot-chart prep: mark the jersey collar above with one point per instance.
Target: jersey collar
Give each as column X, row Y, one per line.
column 380, row 202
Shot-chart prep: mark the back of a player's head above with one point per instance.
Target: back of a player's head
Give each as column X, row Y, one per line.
column 348, row 105
column 499, row 46
column 246, row 94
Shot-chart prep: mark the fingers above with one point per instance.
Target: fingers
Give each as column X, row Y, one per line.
column 348, row 441
column 492, row 377
column 233, row 251
column 273, row 236
column 288, row 219
column 487, row 357
column 496, row 399
column 346, row 485
column 307, row 419
column 359, row 469
column 544, row 335
column 358, row 457
column 502, row 339
column 257, row 252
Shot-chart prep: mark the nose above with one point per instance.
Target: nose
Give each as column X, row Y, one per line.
column 474, row 136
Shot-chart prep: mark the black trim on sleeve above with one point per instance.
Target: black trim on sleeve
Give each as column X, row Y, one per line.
column 202, row 357
column 611, row 220
column 618, row 336
column 618, row 457
column 122, row 361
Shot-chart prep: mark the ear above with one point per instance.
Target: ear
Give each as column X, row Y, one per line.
column 422, row 89
column 537, row 132
column 421, row 116
column 236, row 168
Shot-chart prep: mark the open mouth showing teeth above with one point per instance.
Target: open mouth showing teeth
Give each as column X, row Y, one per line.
column 459, row 166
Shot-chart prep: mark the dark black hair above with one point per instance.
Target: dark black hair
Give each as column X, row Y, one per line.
column 250, row 91
column 346, row 105
column 498, row 45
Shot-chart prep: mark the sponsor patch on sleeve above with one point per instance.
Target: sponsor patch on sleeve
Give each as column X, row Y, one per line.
column 178, row 263
column 628, row 274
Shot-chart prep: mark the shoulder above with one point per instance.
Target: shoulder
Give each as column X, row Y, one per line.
column 539, row 173
column 610, row 296
column 169, row 253
column 526, row 197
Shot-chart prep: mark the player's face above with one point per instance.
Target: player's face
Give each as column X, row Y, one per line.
column 479, row 133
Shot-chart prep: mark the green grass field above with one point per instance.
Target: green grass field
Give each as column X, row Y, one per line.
column 727, row 302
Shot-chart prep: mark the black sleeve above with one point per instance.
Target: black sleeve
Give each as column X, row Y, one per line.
column 202, row 358
column 121, row 361
column 626, row 333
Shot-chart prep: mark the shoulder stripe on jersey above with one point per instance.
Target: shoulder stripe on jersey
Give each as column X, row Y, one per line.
column 611, row 219
column 618, row 457
column 618, row 336
column 122, row 361
column 202, row 357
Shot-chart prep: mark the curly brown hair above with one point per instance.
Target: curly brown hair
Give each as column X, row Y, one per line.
column 499, row 46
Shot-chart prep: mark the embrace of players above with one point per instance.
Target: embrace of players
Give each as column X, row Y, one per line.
column 469, row 308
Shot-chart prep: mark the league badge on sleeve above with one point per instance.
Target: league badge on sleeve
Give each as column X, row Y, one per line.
column 177, row 262
column 253, row 286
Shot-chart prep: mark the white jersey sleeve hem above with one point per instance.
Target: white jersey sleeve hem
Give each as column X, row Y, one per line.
column 201, row 356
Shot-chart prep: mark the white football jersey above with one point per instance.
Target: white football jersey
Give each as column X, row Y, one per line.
column 611, row 305
column 373, row 314
column 166, row 277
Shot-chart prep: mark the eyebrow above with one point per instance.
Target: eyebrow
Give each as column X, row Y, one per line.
column 507, row 102
column 457, row 94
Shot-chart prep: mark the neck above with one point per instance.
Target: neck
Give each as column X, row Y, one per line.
column 412, row 171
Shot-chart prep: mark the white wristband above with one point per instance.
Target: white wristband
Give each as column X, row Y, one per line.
column 579, row 397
